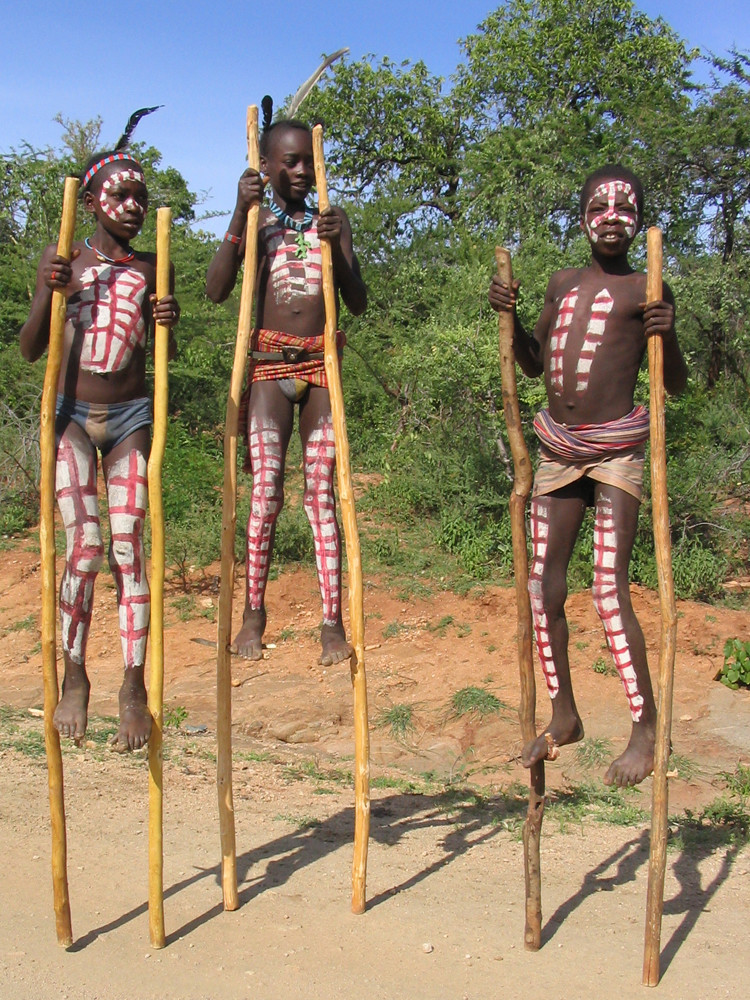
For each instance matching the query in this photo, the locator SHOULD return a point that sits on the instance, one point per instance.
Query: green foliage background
(433, 174)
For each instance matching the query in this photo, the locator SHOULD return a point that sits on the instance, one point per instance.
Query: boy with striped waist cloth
(589, 343)
(286, 365)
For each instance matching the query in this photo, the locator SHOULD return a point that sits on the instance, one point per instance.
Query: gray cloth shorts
(105, 424)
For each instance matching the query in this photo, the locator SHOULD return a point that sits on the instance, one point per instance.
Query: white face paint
(622, 209)
(116, 199)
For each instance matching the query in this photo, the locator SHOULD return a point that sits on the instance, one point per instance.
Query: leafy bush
(736, 670)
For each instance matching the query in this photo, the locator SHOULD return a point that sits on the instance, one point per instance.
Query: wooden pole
(228, 524)
(353, 555)
(522, 482)
(156, 676)
(49, 588)
(668, 644)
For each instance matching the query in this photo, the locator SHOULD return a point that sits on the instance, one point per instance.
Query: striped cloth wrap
(590, 442)
(310, 370)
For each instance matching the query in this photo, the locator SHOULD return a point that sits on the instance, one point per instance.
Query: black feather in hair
(124, 141)
(267, 106)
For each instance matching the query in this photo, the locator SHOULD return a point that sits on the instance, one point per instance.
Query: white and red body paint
(289, 277)
(267, 499)
(127, 491)
(106, 318)
(610, 190)
(75, 484)
(130, 204)
(606, 601)
(320, 507)
(127, 496)
(601, 307)
(559, 339)
(539, 536)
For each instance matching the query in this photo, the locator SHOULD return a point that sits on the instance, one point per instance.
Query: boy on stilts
(102, 405)
(589, 343)
(286, 365)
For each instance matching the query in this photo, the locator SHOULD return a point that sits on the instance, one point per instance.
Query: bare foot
(71, 715)
(638, 760)
(249, 640)
(335, 646)
(559, 733)
(135, 718)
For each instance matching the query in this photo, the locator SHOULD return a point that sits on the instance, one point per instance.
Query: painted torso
(290, 290)
(593, 345)
(106, 318)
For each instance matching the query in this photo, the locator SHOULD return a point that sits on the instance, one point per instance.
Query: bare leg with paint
(125, 471)
(269, 428)
(75, 483)
(555, 522)
(316, 432)
(614, 533)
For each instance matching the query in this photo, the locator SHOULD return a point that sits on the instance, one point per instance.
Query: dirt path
(445, 887)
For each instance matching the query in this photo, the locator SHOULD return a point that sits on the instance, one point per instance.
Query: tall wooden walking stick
(668, 644)
(49, 589)
(156, 675)
(353, 555)
(532, 828)
(228, 524)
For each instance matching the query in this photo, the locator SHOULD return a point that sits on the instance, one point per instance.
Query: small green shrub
(736, 670)
(175, 716)
(604, 667)
(399, 719)
(698, 571)
(477, 700)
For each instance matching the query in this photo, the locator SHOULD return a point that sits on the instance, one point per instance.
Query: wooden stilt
(156, 674)
(351, 536)
(668, 643)
(228, 524)
(49, 588)
(532, 828)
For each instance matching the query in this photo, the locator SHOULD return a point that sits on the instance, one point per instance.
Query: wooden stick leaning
(156, 674)
(49, 588)
(228, 525)
(668, 643)
(351, 536)
(522, 482)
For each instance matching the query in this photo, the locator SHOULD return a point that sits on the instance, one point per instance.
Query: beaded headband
(96, 167)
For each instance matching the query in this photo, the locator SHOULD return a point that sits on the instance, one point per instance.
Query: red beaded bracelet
(231, 238)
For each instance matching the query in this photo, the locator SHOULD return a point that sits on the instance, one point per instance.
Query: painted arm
(334, 226)
(658, 320)
(528, 350)
(34, 335)
(224, 268)
(166, 311)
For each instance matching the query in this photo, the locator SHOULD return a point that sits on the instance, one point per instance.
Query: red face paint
(612, 202)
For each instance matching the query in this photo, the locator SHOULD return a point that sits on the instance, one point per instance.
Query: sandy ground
(445, 883)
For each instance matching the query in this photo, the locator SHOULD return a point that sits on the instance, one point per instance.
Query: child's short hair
(269, 126)
(95, 163)
(612, 171)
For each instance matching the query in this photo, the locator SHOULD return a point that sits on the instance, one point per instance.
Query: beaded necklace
(109, 260)
(300, 228)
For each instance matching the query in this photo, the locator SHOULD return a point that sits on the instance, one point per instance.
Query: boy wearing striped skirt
(589, 343)
(286, 366)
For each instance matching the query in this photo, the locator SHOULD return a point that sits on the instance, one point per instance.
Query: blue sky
(207, 61)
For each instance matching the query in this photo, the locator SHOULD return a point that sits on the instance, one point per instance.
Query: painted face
(613, 202)
(289, 163)
(123, 195)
